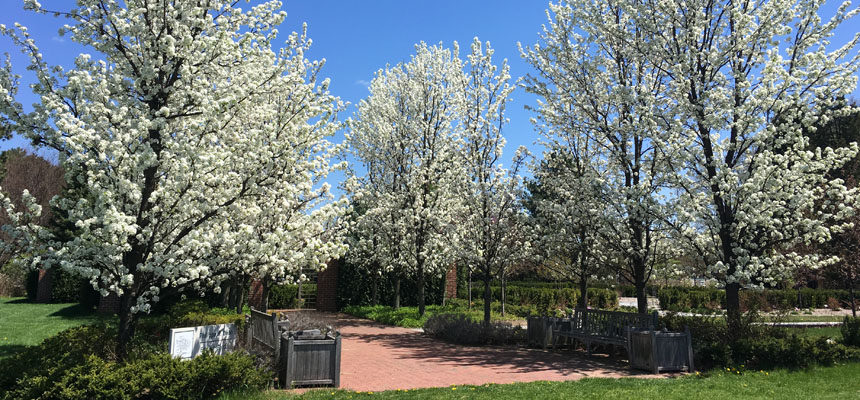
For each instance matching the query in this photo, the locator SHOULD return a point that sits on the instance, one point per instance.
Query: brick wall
(327, 287)
(109, 304)
(44, 286)
(255, 294)
(451, 283)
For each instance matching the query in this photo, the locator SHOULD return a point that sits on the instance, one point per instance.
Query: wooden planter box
(658, 351)
(310, 360)
(539, 331)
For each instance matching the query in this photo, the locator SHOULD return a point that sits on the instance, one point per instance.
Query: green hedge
(759, 347)
(286, 296)
(686, 299)
(623, 290)
(545, 300)
(78, 363)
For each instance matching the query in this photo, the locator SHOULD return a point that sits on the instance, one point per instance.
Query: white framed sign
(187, 343)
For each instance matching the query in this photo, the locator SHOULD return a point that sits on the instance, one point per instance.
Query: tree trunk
(397, 293)
(487, 299)
(851, 296)
(421, 291)
(733, 309)
(127, 325)
(444, 290)
(583, 291)
(641, 298)
(503, 295)
(375, 297)
(470, 289)
(239, 300)
(265, 297)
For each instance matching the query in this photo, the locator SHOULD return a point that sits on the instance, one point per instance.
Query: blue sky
(359, 37)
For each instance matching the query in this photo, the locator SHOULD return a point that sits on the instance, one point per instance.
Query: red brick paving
(378, 357)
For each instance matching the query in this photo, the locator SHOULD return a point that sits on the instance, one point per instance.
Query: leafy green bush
(406, 317)
(545, 300)
(850, 330)
(79, 363)
(695, 298)
(286, 296)
(464, 329)
(758, 347)
(152, 376)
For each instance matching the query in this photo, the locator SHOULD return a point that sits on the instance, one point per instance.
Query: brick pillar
(109, 304)
(451, 282)
(327, 287)
(255, 294)
(43, 287)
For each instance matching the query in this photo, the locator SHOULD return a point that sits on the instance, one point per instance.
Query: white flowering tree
(603, 104)
(200, 149)
(405, 135)
(747, 80)
(494, 228)
(569, 216)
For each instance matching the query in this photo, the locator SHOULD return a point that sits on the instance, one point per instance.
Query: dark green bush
(757, 347)
(79, 363)
(154, 376)
(355, 287)
(463, 329)
(66, 287)
(695, 298)
(286, 296)
(545, 300)
(851, 331)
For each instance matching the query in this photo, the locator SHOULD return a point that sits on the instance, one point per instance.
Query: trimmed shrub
(79, 363)
(759, 347)
(66, 287)
(463, 329)
(850, 330)
(286, 296)
(545, 300)
(694, 298)
(153, 376)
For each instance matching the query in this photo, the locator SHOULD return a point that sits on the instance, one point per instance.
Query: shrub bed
(686, 299)
(460, 328)
(758, 347)
(850, 330)
(79, 363)
(538, 299)
(286, 296)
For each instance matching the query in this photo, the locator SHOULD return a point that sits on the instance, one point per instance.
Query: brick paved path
(378, 357)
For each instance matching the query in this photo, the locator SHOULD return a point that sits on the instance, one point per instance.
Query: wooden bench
(607, 327)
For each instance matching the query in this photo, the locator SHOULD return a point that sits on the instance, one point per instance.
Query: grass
(408, 317)
(838, 382)
(830, 331)
(807, 318)
(26, 324)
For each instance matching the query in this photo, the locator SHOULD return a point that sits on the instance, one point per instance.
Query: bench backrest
(264, 334)
(610, 323)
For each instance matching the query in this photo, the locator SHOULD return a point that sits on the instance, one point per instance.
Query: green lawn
(839, 382)
(808, 318)
(26, 324)
(829, 331)
(408, 317)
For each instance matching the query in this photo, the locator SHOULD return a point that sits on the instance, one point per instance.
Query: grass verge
(837, 382)
(408, 317)
(26, 324)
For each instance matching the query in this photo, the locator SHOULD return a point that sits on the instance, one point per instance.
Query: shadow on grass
(76, 311)
(23, 300)
(7, 350)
